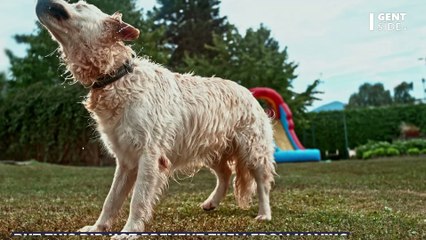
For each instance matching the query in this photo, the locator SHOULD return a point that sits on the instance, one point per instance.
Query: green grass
(371, 199)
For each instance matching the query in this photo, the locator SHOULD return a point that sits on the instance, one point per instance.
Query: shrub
(415, 143)
(379, 152)
(392, 152)
(380, 149)
(413, 151)
(367, 155)
(401, 146)
(361, 150)
(380, 145)
(47, 123)
(423, 152)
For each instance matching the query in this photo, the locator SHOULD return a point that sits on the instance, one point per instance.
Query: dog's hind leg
(263, 175)
(255, 165)
(223, 176)
(124, 179)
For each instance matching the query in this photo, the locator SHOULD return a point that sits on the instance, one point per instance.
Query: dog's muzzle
(51, 8)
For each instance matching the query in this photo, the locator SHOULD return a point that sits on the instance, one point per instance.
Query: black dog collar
(108, 79)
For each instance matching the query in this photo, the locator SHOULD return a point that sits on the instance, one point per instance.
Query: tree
(254, 60)
(3, 83)
(402, 94)
(191, 25)
(41, 63)
(370, 95)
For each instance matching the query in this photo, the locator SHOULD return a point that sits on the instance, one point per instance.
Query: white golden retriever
(155, 122)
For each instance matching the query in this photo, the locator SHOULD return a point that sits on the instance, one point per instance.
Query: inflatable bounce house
(288, 146)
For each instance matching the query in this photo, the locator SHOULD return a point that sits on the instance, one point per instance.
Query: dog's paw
(262, 217)
(92, 229)
(208, 205)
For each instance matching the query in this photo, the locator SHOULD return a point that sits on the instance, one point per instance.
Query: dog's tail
(244, 185)
(244, 181)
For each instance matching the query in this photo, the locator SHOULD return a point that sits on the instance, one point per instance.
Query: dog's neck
(88, 65)
(105, 80)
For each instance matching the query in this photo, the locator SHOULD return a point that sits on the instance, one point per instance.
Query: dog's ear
(123, 31)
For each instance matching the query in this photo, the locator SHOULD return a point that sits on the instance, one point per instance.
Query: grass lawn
(375, 199)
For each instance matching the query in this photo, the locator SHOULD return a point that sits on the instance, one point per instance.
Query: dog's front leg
(145, 192)
(124, 179)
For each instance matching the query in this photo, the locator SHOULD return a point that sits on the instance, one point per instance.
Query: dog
(156, 122)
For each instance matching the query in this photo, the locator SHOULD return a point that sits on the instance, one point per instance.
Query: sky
(339, 42)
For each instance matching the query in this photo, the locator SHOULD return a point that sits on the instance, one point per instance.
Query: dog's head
(90, 40)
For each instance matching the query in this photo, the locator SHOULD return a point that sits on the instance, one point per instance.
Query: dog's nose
(52, 8)
(42, 6)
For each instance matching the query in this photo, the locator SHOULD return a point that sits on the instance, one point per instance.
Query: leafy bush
(401, 146)
(415, 143)
(372, 146)
(392, 152)
(379, 152)
(47, 123)
(413, 151)
(361, 150)
(367, 155)
(380, 149)
(404, 146)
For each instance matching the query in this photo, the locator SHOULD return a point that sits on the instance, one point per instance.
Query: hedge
(326, 129)
(48, 124)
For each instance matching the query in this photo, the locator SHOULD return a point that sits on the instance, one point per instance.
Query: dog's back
(194, 119)
(195, 122)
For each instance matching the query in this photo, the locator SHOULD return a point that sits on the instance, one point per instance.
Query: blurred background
(352, 72)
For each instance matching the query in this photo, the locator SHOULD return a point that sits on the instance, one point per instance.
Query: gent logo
(387, 21)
